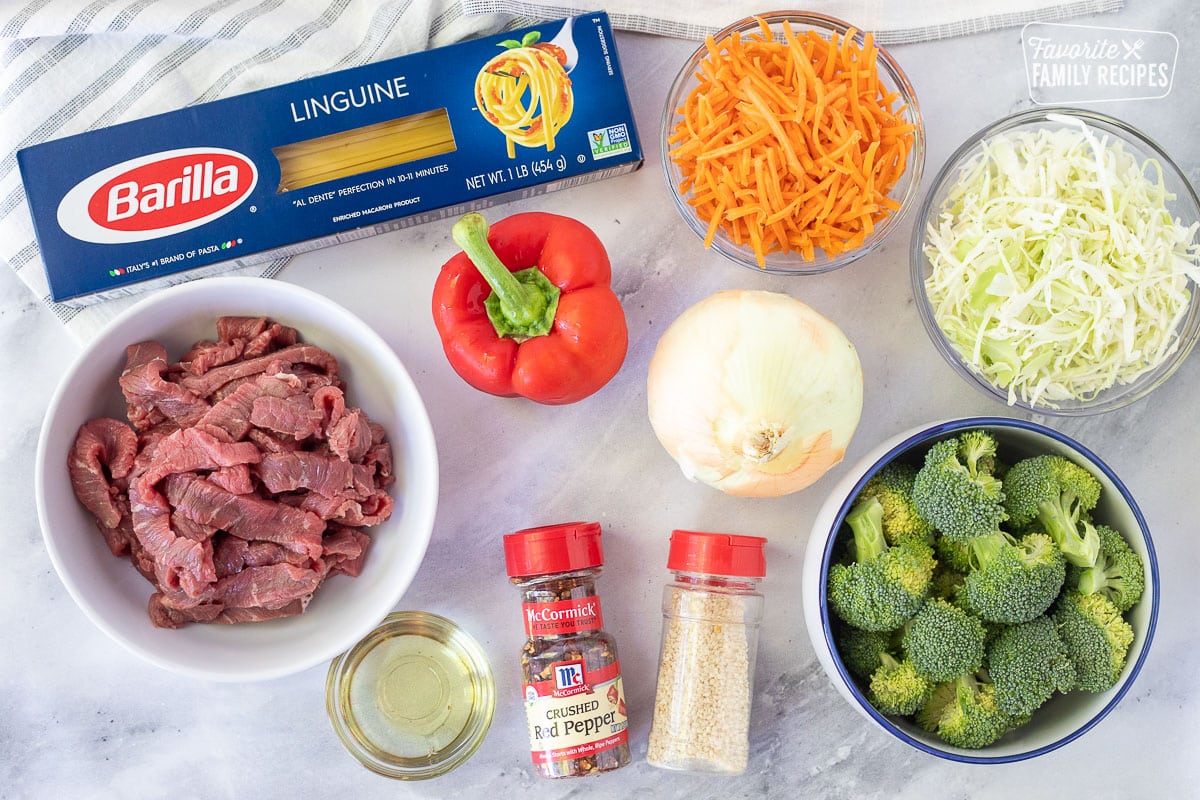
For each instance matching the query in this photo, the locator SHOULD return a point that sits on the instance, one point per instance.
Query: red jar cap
(565, 547)
(717, 554)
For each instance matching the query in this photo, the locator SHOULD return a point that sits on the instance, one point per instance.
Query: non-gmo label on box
(611, 141)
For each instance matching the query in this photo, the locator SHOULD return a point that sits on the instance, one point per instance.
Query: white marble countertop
(81, 717)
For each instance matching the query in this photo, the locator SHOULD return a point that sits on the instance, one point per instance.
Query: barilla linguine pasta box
(329, 159)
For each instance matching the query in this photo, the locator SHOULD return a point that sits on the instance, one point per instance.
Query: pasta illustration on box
(525, 92)
(330, 158)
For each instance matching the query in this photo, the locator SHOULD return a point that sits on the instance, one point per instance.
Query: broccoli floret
(955, 489)
(953, 554)
(943, 641)
(884, 585)
(1057, 493)
(896, 687)
(1118, 573)
(893, 485)
(978, 448)
(992, 630)
(929, 715)
(1013, 580)
(964, 712)
(861, 650)
(1028, 663)
(1097, 638)
(946, 584)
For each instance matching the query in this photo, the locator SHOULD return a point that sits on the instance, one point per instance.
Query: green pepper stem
(522, 304)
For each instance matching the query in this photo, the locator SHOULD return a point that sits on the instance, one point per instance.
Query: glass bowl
(1064, 717)
(1023, 372)
(892, 80)
(414, 699)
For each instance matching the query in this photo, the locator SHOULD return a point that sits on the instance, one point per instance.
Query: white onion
(754, 393)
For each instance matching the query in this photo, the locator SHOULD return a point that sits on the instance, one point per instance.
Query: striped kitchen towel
(892, 21)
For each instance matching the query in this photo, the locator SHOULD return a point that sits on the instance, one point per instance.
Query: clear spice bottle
(711, 615)
(574, 699)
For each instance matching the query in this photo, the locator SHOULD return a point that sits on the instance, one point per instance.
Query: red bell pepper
(527, 310)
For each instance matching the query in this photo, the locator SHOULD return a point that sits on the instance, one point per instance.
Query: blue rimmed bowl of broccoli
(984, 589)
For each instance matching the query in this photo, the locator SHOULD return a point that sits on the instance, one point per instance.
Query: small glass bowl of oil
(414, 698)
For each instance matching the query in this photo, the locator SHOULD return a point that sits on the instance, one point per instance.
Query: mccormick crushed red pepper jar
(574, 700)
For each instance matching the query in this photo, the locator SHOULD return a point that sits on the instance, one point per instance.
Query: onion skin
(754, 393)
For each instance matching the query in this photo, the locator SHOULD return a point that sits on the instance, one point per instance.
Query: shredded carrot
(791, 144)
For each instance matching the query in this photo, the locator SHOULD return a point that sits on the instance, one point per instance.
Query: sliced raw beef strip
(262, 554)
(273, 443)
(248, 516)
(327, 508)
(379, 457)
(232, 554)
(345, 549)
(179, 563)
(332, 402)
(229, 554)
(189, 529)
(371, 511)
(232, 412)
(276, 336)
(271, 586)
(192, 449)
(350, 437)
(325, 474)
(204, 385)
(293, 416)
(164, 616)
(147, 391)
(182, 553)
(235, 479)
(252, 594)
(149, 438)
(120, 538)
(205, 355)
(231, 616)
(232, 328)
(259, 334)
(103, 453)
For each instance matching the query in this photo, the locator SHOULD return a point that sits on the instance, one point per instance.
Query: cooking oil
(414, 698)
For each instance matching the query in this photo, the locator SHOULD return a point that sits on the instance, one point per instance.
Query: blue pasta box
(328, 159)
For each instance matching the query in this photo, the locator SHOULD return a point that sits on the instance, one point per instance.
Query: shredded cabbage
(1056, 269)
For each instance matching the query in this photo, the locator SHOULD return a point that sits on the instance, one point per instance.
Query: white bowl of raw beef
(275, 545)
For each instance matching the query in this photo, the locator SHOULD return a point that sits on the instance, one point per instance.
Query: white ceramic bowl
(111, 592)
(1063, 718)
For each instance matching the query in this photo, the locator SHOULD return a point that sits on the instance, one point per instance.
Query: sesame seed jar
(711, 614)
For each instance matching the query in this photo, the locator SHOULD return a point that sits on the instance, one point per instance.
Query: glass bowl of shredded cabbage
(1056, 261)
(792, 143)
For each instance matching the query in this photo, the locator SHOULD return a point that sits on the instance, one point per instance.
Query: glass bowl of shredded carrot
(1055, 262)
(792, 143)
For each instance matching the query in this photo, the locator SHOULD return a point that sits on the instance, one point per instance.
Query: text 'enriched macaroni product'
(329, 159)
